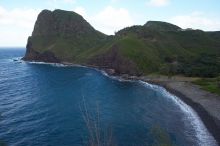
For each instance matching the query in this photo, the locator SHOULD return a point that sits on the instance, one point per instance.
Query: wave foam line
(204, 137)
(52, 64)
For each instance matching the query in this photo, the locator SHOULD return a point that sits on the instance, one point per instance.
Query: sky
(17, 17)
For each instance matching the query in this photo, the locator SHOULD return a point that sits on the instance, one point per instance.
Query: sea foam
(202, 134)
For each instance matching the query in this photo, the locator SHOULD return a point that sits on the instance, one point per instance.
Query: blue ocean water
(42, 104)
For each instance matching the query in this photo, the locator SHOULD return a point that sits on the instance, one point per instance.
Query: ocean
(52, 105)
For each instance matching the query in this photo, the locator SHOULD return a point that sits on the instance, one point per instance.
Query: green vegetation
(162, 26)
(138, 52)
(156, 47)
(174, 51)
(160, 137)
(210, 84)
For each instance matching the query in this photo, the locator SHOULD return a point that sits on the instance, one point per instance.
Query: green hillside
(156, 47)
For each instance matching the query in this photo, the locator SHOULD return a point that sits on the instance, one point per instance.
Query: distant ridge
(162, 26)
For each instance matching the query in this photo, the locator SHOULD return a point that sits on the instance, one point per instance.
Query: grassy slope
(143, 55)
(209, 84)
(66, 48)
(151, 48)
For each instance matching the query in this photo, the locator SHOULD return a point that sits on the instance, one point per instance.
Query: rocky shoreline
(205, 104)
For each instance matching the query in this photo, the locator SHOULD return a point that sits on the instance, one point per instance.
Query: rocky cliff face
(57, 31)
(113, 59)
(61, 23)
(32, 55)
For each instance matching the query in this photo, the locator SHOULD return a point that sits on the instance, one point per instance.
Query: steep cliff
(61, 36)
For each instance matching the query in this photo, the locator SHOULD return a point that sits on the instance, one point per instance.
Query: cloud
(69, 1)
(196, 20)
(16, 25)
(80, 10)
(54, 4)
(62, 1)
(111, 19)
(108, 20)
(157, 3)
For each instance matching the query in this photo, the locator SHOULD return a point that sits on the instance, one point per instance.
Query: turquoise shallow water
(42, 104)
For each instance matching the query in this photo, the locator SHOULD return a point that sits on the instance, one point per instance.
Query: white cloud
(69, 1)
(55, 4)
(157, 3)
(16, 25)
(111, 19)
(108, 20)
(62, 1)
(196, 20)
(81, 11)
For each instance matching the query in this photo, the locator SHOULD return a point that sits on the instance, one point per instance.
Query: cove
(41, 104)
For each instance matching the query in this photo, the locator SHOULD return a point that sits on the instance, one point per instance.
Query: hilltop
(154, 48)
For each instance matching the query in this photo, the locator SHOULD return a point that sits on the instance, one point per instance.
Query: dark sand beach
(207, 105)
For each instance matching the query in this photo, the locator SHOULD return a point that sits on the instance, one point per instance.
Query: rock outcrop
(57, 31)
(32, 55)
(113, 59)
